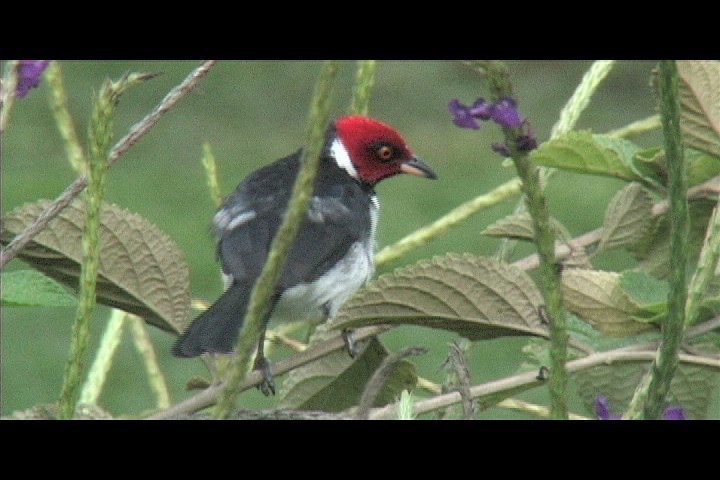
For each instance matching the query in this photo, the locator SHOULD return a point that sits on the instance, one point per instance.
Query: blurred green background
(253, 112)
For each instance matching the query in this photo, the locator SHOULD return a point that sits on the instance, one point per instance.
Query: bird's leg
(263, 364)
(348, 336)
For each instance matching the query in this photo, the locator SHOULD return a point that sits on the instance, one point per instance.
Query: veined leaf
(519, 226)
(584, 152)
(477, 297)
(699, 90)
(597, 297)
(336, 382)
(653, 251)
(142, 270)
(29, 288)
(646, 291)
(628, 218)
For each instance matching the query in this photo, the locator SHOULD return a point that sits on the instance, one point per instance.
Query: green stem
(649, 398)
(63, 119)
(580, 99)
(297, 206)
(567, 120)
(707, 263)
(99, 139)
(208, 163)
(364, 80)
(100, 136)
(145, 347)
(637, 127)
(451, 219)
(103, 359)
(7, 93)
(499, 80)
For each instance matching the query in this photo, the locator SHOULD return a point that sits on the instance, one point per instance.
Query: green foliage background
(253, 113)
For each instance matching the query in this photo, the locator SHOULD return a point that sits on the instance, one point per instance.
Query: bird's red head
(370, 150)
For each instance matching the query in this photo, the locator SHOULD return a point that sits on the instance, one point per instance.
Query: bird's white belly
(307, 300)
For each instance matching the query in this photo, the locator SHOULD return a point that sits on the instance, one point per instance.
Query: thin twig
(74, 189)
(459, 365)
(529, 379)
(245, 414)
(381, 376)
(209, 396)
(533, 409)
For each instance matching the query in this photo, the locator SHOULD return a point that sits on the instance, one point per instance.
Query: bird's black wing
(338, 216)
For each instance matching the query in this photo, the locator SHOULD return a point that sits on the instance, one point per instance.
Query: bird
(332, 254)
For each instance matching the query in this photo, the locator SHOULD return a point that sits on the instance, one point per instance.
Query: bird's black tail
(216, 330)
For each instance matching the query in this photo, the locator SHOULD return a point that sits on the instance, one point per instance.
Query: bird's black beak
(415, 166)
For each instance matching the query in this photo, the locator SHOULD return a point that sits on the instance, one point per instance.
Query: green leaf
(477, 297)
(700, 166)
(693, 387)
(699, 90)
(519, 226)
(628, 218)
(646, 291)
(583, 152)
(597, 297)
(29, 288)
(583, 332)
(142, 270)
(653, 251)
(336, 382)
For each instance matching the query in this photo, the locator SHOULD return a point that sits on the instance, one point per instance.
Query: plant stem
(498, 78)
(208, 396)
(99, 137)
(636, 128)
(63, 119)
(707, 264)
(529, 380)
(567, 120)
(208, 163)
(581, 97)
(7, 93)
(451, 219)
(264, 288)
(550, 278)
(649, 398)
(364, 80)
(103, 358)
(152, 368)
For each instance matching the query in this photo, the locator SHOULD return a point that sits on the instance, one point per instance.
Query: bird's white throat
(342, 157)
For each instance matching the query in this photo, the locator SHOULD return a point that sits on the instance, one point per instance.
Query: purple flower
(506, 114)
(674, 413)
(29, 75)
(602, 410)
(461, 115)
(482, 109)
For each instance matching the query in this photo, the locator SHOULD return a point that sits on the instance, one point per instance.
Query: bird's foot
(351, 346)
(268, 384)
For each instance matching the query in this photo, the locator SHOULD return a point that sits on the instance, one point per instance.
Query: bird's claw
(351, 346)
(267, 386)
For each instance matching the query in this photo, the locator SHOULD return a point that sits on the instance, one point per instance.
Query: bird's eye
(385, 152)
